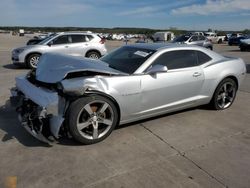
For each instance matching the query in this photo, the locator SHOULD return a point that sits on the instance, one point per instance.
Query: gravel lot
(192, 148)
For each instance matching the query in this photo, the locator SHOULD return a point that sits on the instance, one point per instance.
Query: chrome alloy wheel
(93, 56)
(34, 60)
(95, 119)
(226, 95)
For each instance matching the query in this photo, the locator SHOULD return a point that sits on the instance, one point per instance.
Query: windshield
(127, 59)
(182, 38)
(44, 41)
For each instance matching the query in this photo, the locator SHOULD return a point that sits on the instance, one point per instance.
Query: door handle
(66, 46)
(196, 74)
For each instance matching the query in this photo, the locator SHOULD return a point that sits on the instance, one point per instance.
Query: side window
(203, 58)
(177, 59)
(64, 39)
(202, 38)
(194, 38)
(89, 37)
(78, 38)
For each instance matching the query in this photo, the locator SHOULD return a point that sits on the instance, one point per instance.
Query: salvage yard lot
(193, 148)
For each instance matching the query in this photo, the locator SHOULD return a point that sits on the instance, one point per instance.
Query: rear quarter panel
(217, 71)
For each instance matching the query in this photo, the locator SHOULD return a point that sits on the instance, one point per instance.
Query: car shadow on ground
(140, 122)
(13, 130)
(234, 50)
(15, 67)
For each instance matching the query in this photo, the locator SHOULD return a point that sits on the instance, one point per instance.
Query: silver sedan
(89, 98)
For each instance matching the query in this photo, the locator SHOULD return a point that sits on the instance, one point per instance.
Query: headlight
(19, 50)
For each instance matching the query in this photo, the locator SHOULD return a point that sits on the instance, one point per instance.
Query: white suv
(72, 43)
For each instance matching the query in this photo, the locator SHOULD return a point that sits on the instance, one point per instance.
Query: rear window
(89, 37)
(202, 57)
(78, 38)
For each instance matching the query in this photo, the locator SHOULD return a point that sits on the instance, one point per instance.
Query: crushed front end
(40, 109)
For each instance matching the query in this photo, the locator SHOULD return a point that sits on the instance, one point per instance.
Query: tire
(224, 94)
(93, 55)
(242, 49)
(32, 60)
(92, 119)
(220, 41)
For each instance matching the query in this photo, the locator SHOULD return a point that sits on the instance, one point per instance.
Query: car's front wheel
(219, 41)
(32, 60)
(91, 119)
(224, 94)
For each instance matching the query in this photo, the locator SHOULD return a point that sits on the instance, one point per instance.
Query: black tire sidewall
(75, 109)
(214, 102)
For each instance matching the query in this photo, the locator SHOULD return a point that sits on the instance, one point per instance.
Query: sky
(155, 14)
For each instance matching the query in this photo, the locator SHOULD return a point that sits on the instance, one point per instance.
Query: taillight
(103, 40)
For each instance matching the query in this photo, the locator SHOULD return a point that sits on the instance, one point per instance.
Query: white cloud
(142, 10)
(148, 10)
(214, 7)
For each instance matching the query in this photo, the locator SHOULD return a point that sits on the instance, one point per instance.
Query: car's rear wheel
(33, 60)
(224, 94)
(92, 119)
(93, 55)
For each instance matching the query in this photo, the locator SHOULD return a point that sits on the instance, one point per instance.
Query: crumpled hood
(53, 68)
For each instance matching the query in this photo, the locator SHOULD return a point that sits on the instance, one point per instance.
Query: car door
(195, 40)
(79, 44)
(60, 44)
(179, 87)
(201, 40)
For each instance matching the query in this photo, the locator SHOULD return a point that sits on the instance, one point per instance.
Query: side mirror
(50, 43)
(156, 69)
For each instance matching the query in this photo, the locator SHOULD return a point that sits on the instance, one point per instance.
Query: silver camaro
(88, 98)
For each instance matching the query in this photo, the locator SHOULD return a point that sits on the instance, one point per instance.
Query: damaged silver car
(88, 98)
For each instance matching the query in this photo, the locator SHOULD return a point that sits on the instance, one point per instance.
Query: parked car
(195, 40)
(228, 35)
(196, 33)
(236, 34)
(163, 36)
(213, 37)
(34, 41)
(39, 38)
(244, 44)
(71, 43)
(235, 40)
(88, 98)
